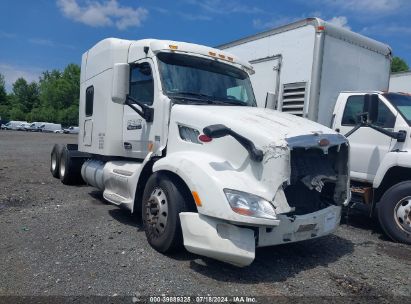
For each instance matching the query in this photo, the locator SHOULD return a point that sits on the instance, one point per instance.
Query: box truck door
(137, 133)
(266, 78)
(368, 147)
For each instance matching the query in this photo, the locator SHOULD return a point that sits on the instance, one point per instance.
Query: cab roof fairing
(158, 46)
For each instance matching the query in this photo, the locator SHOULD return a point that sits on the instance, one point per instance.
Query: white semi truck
(333, 76)
(171, 130)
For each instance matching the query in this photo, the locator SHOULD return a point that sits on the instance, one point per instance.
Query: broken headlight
(248, 204)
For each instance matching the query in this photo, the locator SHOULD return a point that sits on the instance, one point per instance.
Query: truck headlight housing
(248, 204)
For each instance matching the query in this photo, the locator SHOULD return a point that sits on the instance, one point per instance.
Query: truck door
(137, 133)
(266, 78)
(367, 146)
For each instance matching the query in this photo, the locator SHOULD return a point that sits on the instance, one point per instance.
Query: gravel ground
(65, 240)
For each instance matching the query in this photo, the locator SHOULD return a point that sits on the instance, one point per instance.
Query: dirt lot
(62, 240)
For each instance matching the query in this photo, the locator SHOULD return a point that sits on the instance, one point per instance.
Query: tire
(394, 212)
(55, 160)
(70, 167)
(160, 187)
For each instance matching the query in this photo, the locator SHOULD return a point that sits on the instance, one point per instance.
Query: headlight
(248, 204)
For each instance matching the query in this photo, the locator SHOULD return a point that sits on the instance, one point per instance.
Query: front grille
(314, 176)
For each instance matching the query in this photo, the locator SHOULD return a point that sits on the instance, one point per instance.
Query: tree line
(54, 98)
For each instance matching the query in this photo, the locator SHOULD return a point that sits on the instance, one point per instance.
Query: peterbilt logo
(134, 124)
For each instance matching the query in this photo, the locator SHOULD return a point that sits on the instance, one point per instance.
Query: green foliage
(398, 65)
(3, 94)
(54, 98)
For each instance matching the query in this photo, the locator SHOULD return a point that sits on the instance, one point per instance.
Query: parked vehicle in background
(3, 124)
(400, 82)
(333, 76)
(34, 126)
(13, 125)
(59, 131)
(23, 126)
(49, 127)
(176, 136)
(71, 130)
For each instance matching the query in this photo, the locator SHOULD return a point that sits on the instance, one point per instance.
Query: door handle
(127, 146)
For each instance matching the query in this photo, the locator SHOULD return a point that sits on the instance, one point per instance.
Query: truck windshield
(402, 102)
(198, 80)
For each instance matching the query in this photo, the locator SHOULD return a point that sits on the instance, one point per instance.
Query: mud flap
(217, 239)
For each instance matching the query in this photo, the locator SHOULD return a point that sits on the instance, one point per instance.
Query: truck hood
(261, 125)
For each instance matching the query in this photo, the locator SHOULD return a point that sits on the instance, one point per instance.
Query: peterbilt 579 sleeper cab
(171, 130)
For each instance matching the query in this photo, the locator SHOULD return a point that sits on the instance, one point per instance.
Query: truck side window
(355, 106)
(89, 100)
(142, 83)
(385, 118)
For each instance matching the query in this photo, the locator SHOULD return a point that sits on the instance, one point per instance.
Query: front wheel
(163, 200)
(394, 212)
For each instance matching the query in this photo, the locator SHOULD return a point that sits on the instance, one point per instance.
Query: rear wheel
(394, 212)
(55, 160)
(70, 167)
(163, 200)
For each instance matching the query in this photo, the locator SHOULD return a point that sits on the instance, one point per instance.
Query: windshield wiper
(204, 97)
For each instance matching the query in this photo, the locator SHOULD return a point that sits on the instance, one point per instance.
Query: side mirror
(371, 107)
(271, 101)
(216, 131)
(121, 78)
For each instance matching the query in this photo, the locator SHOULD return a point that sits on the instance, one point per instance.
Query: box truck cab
(377, 125)
(171, 130)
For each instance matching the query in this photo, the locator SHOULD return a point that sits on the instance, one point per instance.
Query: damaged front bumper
(223, 241)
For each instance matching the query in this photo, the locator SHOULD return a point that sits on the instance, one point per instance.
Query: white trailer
(301, 68)
(171, 130)
(338, 78)
(400, 82)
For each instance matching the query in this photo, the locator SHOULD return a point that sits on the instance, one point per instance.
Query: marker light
(197, 199)
(323, 142)
(204, 138)
(320, 28)
(212, 54)
(230, 58)
(221, 56)
(173, 47)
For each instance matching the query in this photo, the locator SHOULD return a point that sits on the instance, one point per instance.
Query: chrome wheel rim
(402, 214)
(62, 167)
(53, 161)
(157, 211)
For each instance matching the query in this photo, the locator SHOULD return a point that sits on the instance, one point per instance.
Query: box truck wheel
(394, 212)
(55, 160)
(162, 203)
(70, 167)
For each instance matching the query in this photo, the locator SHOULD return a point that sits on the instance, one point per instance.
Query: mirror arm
(255, 154)
(400, 136)
(146, 112)
(354, 129)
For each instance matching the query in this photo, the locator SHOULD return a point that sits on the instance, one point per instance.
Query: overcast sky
(47, 34)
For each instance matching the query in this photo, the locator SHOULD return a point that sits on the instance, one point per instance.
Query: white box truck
(171, 130)
(333, 76)
(401, 82)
